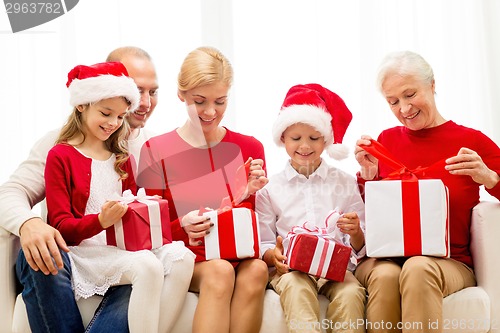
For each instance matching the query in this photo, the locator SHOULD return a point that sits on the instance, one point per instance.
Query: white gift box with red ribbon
(145, 225)
(316, 251)
(234, 236)
(406, 218)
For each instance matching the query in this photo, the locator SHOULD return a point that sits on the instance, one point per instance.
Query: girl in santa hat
(312, 120)
(88, 165)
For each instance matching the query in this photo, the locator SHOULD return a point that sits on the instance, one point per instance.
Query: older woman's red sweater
(424, 148)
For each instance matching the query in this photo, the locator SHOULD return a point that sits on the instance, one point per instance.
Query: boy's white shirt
(290, 199)
(26, 186)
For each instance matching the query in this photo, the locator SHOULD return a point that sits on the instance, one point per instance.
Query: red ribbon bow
(400, 170)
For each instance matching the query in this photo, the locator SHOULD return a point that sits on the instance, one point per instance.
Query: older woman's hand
(196, 227)
(469, 163)
(368, 163)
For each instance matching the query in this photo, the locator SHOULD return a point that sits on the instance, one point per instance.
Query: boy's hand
(349, 224)
(111, 213)
(279, 258)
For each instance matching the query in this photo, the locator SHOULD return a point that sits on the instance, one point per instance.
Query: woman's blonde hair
(116, 143)
(202, 66)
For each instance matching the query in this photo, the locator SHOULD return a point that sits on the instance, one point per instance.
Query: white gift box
(406, 218)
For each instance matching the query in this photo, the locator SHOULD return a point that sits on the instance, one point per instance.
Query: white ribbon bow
(153, 212)
(127, 196)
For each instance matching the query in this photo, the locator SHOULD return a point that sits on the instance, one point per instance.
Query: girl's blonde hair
(116, 143)
(202, 66)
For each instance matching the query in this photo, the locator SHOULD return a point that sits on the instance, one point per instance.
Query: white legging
(174, 291)
(149, 309)
(146, 277)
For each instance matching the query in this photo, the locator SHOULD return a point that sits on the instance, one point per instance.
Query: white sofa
(471, 310)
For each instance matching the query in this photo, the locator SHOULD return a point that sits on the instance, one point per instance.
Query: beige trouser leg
(346, 311)
(381, 279)
(299, 300)
(424, 281)
(409, 299)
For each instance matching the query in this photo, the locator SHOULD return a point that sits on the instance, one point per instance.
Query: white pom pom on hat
(90, 84)
(314, 105)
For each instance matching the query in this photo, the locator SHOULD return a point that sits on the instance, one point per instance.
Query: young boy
(313, 119)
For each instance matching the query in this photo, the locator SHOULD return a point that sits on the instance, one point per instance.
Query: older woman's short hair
(404, 63)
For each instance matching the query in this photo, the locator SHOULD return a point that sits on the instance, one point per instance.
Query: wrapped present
(405, 215)
(234, 236)
(314, 251)
(145, 225)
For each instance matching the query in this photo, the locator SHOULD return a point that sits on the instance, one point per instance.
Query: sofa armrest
(9, 249)
(485, 248)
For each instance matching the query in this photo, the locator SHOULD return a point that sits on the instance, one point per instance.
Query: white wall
(273, 44)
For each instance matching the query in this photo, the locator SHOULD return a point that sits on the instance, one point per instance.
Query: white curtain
(273, 44)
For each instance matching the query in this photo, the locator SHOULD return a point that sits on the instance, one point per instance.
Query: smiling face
(412, 101)
(206, 106)
(103, 118)
(143, 72)
(304, 144)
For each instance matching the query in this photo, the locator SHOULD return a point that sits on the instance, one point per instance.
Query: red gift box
(145, 225)
(318, 251)
(234, 236)
(317, 255)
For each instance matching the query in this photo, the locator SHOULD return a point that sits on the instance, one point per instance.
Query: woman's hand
(467, 162)
(257, 176)
(196, 227)
(368, 163)
(111, 213)
(256, 179)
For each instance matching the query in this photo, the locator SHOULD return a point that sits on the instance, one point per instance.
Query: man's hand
(40, 243)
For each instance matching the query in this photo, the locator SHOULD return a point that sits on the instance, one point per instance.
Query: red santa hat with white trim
(90, 84)
(320, 108)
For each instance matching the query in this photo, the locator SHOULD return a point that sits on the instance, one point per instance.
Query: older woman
(193, 167)
(408, 292)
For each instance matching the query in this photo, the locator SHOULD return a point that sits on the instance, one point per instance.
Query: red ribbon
(412, 234)
(225, 208)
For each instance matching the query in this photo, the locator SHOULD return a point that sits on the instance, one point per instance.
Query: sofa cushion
(466, 311)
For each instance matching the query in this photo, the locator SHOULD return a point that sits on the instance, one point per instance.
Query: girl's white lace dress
(96, 266)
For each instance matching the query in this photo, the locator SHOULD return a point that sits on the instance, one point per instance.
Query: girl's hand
(368, 163)
(196, 227)
(469, 163)
(111, 213)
